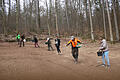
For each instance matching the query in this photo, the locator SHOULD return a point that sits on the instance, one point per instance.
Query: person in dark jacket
(57, 44)
(48, 41)
(36, 41)
(22, 41)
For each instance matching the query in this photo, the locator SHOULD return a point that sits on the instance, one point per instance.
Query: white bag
(24, 40)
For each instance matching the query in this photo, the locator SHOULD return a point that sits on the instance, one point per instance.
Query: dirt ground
(29, 63)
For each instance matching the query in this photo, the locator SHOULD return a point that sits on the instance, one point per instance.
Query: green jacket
(18, 36)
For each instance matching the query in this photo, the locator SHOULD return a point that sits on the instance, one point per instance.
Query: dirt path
(29, 63)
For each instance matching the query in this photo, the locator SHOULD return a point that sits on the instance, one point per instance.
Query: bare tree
(71, 17)
(67, 18)
(9, 13)
(109, 20)
(56, 15)
(48, 19)
(39, 20)
(31, 13)
(4, 17)
(50, 13)
(90, 13)
(115, 19)
(25, 16)
(104, 19)
(36, 11)
(17, 15)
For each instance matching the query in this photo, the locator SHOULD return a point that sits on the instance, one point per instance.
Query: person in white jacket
(48, 41)
(104, 48)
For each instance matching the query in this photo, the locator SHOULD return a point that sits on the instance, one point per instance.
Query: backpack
(78, 45)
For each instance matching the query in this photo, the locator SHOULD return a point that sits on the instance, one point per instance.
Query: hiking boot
(108, 66)
(103, 65)
(76, 61)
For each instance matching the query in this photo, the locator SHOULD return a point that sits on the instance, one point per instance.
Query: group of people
(74, 44)
(57, 44)
(103, 48)
(20, 40)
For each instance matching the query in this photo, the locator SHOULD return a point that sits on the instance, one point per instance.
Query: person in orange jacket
(74, 43)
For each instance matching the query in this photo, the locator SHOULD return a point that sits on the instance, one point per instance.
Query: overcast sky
(42, 3)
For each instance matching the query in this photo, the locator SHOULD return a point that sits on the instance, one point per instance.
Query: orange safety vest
(74, 43)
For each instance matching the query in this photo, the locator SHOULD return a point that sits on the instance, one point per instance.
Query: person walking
(22, 41)
(48, 42)
(74, 43)
(105, 49)
(36, 42)
(57, 44)
(18, 38)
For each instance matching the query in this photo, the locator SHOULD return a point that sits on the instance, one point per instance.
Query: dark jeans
(22, 42)
(18, 40)
(50, 47)
(36, 44)
(75, 53)
(58, 48)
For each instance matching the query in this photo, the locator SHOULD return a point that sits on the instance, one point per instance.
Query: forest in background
(84, 18)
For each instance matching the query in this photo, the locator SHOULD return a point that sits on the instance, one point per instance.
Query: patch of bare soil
(29, 63)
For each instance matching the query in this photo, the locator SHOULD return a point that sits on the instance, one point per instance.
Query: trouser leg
(103, 56)
(51, 47)
(18, 40)
(23, 43)
(48, 47)
(38, 44)
(107, 58)
(75, 53)
(58, 50)
(20, 43)
(35, 44)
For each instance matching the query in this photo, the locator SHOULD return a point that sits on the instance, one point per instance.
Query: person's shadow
(100, 65)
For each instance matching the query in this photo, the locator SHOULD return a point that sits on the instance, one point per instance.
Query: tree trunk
(25, 17)
(31, 9)
(109, 20)
(9, 13)
(50, 13)
(39, 20)
(87, 16)
(48, 25)
(104, 19)
(91, 24)
(17, 16)
(56, 15)
(116, 24)
(67, 18)
(4, 17)
(36, 11)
